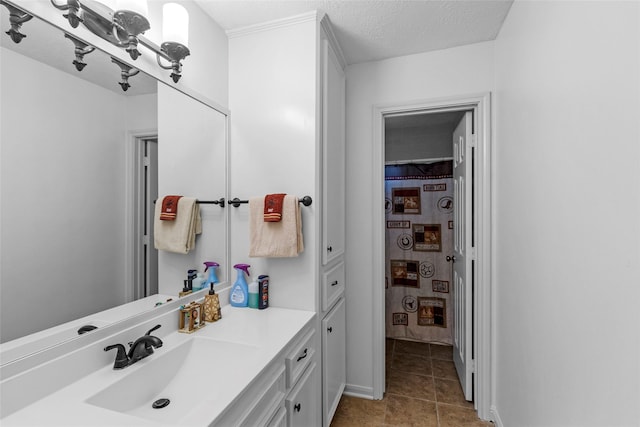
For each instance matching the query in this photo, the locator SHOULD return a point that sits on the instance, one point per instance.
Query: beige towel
(180, 235)
(275, 239)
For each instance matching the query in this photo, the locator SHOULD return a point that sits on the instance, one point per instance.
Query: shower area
(419, 226)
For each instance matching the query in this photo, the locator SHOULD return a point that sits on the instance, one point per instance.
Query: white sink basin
(186, 375)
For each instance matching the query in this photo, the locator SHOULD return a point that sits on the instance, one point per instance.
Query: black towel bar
(220, 202)
(306, 200)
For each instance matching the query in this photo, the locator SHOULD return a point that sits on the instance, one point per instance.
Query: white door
(463, 253)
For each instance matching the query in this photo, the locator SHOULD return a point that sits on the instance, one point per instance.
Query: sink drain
(160, 403)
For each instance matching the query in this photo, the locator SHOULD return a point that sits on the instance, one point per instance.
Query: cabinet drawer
(299, 358)
(302, 401)
(332, 286)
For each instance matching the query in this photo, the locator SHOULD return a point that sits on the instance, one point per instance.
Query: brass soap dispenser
(212, 311)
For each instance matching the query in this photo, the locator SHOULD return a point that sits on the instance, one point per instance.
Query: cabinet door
(302, 402)
(333, 360)
(333, 165)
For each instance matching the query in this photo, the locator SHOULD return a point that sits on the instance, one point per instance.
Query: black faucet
(139, 349)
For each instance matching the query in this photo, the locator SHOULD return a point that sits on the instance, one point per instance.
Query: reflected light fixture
(16, 18)
(81, 50)
(72, 7)
(126, 71)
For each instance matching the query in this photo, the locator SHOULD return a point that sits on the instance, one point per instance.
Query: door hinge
(146, 240)
(146, 161)
(473, 366)
(473, 141)
(472, 254)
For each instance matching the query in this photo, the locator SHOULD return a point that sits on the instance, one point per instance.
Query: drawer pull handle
(297, 407)
(334, 283)
(303, 355)
(330, 329)
(330, 248)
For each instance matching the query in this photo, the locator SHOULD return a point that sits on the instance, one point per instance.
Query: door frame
(484, 316)
(131, 260)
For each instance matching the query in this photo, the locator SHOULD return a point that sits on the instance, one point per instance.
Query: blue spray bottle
(239, 296)
(213, 278)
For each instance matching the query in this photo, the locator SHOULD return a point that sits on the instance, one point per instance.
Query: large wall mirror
(82, 162)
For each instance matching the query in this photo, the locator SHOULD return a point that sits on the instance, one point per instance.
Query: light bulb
(175, 24)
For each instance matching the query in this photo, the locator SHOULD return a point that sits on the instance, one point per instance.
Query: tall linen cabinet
(287, 135)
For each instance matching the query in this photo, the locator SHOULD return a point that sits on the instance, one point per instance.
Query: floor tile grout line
(435, 390)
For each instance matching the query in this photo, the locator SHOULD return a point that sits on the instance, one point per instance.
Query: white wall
(272, 88)
(568, 205)
(63, 185)
(398, 81)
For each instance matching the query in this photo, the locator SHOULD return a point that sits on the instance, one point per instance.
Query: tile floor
(422, 390)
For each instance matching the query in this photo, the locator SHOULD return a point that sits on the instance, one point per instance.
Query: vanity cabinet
(332, 305)
(285, 394)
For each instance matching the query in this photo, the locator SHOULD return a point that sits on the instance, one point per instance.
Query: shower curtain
(419, 237)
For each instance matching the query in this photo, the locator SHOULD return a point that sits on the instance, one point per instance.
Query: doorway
(426, 274)
(478, 353)
(419, 229)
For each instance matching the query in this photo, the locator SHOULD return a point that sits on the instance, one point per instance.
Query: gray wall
(424, 142)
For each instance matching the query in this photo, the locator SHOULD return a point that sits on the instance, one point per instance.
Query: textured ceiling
(370, 30)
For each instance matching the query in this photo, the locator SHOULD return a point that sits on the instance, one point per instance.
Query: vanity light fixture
(16, 18)
(126, 71)
(81, 50)
(130, 17)
(123, 23)
(175, 29)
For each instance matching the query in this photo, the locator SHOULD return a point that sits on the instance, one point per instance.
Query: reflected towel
(180, 235)
(169, 210)
(275, 239)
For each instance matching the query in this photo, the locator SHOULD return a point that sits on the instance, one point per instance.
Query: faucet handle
(147, 345)
(122, 360)
(153, 329)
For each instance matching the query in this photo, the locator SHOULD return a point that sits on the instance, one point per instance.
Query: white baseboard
(496, 417)
(359, 391)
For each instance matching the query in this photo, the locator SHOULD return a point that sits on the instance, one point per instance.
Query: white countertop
(267, 331)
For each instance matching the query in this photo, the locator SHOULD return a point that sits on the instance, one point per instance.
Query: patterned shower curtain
(419, 237)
